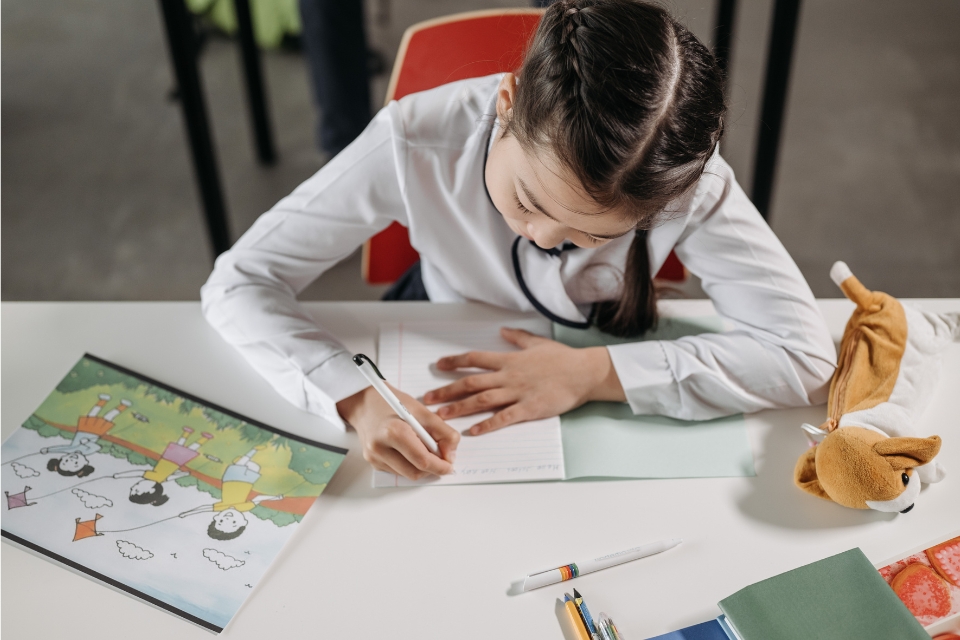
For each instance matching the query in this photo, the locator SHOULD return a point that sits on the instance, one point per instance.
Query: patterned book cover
(928, 582)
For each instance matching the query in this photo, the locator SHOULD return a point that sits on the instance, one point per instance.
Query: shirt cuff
(337, 378)
(646, 377)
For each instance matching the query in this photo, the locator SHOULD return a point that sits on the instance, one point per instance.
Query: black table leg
(723, 33)
(183, 51)
(779, 56)
(250, 55)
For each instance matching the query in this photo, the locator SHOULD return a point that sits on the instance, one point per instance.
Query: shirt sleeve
(251, 296)
(779, 353)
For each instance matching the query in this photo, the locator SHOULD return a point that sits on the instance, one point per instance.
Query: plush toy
(867, 454)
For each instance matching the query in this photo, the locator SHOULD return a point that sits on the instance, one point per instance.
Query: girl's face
(142, 487)
(229, 520)
(538, 199)
(73, 462)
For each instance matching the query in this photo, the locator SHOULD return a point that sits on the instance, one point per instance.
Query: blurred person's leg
(335, 42)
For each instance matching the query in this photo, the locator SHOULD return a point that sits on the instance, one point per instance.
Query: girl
(149, 489)
(560, 189)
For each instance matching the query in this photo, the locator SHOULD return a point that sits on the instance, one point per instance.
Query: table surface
(439, 561)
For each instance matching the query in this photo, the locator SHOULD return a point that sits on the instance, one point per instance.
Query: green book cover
(838, 598)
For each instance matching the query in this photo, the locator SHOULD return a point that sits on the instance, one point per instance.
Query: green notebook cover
(838, 598)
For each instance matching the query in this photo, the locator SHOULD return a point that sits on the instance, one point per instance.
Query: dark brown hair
(631, 103)
(53, 464)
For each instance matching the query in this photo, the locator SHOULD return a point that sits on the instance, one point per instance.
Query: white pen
(371, 373)
(574, 569)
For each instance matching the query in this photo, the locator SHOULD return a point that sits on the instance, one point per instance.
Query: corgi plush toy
(868, 454)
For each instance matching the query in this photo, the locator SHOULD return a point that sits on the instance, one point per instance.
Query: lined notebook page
(519, 453)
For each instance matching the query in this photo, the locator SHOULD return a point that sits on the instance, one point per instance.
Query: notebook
(525, 452)
(152, 491)
(711, 630)
(842, 597)
(597, 440)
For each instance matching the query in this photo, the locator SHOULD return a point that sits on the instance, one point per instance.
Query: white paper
(523, 452)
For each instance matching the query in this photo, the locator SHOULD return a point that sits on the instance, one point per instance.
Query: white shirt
(420, 162)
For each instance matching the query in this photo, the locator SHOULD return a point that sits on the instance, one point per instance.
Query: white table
(438, 562)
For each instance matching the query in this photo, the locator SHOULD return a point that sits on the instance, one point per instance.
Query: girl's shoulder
(446, 116)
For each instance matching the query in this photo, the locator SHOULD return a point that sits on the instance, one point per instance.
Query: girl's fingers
(403, 439)
(477, 359)
(396, 463)
(505, 417)
(521, 338)
(446, 436)
(483, 401)
(463, 387)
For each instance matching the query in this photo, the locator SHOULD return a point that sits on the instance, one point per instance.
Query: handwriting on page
(524, 452)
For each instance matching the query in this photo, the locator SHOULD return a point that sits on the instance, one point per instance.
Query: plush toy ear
(805, 474)
(904, 453)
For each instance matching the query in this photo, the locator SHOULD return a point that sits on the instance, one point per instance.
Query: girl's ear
(53, 464)
(505, 96)
(87, 470)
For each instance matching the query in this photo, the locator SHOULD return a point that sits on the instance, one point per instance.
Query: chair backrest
(432, 53)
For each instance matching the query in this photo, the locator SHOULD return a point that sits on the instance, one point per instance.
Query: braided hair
(631, 104)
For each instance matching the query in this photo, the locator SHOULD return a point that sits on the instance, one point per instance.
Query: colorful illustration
(928, 582)
(237, 496)
(85, 441)
(150, 489)
(114, 492)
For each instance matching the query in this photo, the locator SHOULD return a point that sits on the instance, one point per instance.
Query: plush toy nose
(907, 509)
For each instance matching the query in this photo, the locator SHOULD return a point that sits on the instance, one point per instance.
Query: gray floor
(98, 199)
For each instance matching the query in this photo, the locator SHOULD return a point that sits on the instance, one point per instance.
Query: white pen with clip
(576, 569)
(371, 373)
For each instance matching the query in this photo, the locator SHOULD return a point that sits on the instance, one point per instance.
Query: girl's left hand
(544, 379)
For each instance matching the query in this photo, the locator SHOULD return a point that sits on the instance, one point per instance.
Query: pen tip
(576, 594)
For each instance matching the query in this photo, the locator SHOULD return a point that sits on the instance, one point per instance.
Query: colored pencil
(575, 620)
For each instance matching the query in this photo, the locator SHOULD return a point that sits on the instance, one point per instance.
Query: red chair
(435, 52)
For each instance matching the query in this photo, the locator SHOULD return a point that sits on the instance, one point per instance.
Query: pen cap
(361, 358)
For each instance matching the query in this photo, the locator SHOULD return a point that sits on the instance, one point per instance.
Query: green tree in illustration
(88, 373)
(314, 464)
(279, 518)
(252, 434)
(40, 425)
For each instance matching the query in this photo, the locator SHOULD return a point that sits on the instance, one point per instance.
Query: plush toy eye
(905, 478)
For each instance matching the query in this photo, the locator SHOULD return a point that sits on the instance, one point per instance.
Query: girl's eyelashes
(523, 209)
(516, 199)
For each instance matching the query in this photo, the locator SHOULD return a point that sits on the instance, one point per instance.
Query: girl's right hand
(390, 444)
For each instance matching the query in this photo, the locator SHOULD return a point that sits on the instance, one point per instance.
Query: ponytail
(635, 312)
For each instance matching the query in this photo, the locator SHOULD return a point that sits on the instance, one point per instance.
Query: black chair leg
(253, 75)
(183, 52)
(779, 56)
(723, 34)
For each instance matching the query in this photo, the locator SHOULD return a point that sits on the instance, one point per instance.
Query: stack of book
(844, 597)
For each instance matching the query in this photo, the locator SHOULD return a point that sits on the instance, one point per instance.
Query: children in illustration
(90, 427)
(237, 484)
(149, 490)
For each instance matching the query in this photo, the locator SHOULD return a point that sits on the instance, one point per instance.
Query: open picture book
(157, 493)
